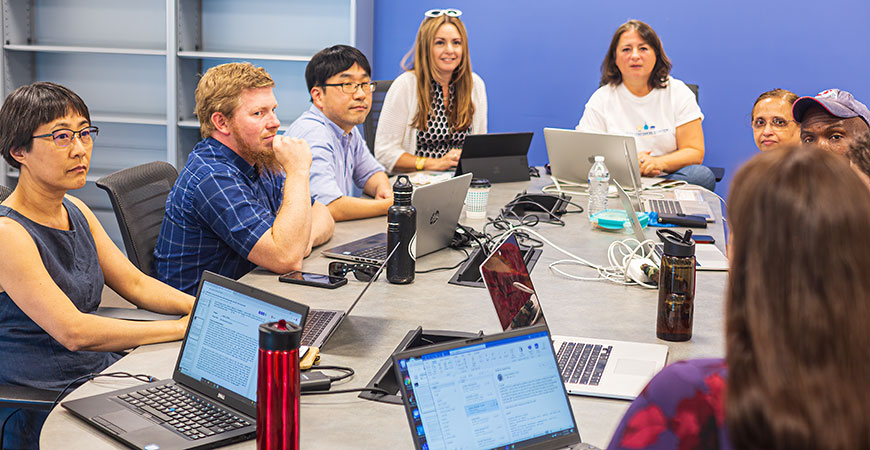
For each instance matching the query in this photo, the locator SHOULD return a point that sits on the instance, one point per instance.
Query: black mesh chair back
(370, 126)
(138, 196)
(4, 192)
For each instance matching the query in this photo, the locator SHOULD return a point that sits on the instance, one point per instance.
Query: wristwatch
(421, 161)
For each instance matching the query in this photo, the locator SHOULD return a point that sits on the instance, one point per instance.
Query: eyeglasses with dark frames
(350, 88)
(64, 136)
(362, 272)
(452, 12)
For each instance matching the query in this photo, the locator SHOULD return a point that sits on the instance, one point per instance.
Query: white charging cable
(619, 255)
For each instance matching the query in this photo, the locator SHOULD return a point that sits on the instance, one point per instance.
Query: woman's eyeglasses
(776, 122)
(362, 272)
(443, 12)
(64, 137)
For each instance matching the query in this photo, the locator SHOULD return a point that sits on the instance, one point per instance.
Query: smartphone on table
(313, 279)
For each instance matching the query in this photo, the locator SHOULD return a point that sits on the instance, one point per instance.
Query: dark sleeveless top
(439, 137)
(29, 355)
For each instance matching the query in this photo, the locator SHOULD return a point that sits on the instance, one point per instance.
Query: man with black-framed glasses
(342, 167)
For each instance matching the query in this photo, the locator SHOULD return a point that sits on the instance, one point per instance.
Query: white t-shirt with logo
(652, 119)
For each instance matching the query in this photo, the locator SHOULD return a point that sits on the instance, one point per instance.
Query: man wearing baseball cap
(831, 120)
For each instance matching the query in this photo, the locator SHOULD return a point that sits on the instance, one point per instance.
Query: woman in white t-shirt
(431, 107)
(638, 97)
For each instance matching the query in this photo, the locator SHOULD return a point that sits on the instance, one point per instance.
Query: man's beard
(264, 161)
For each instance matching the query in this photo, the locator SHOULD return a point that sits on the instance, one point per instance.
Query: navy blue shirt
(218, 209)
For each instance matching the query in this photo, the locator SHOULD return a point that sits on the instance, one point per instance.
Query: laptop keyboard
(582, 363)
(180, 411)
(374, 253)
(315, 324)
(666, 206)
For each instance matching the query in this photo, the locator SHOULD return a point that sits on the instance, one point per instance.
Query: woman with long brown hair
(797, 308)
(431, 107)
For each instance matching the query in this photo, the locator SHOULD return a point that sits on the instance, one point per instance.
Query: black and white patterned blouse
(438, 138)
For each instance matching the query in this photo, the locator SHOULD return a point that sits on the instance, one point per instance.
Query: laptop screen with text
(502, 392)
(221, 346)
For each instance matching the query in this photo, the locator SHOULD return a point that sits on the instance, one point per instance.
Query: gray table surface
(387, 312)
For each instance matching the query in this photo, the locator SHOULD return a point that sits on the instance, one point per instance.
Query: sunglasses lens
(433, 13)
(337, 269)
(364, 272)
(453, 12)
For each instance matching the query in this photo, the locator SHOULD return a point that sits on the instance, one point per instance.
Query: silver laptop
(572, 154)
(679, 201)
(707, 256)
(502, 391)
(438, 208)
(211, 399)
(589, 366)
(322, 323)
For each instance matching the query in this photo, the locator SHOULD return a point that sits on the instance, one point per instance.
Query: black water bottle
(402, 232)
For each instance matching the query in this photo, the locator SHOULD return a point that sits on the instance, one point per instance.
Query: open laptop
(572, 154)
(438, 208)
(500, 391)
(707, 256)
(211, 398)
(322, 323)
(499, 157)
(594, 367)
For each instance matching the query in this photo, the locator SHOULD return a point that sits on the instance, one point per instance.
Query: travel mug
(278, 386)
(476, 199)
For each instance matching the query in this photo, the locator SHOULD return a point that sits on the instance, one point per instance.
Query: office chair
(4, 192)
(370, 126)
(718, 172)
(138, 196)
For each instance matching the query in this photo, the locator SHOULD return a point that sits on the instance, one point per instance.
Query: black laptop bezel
(565, 441)
(221, 395)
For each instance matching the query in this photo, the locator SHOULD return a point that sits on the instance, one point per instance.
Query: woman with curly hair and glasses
(438, 101)
(797, 345)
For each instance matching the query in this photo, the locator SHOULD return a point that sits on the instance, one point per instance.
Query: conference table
(386, 313)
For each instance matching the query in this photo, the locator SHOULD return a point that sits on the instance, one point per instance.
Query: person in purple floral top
(797, 308)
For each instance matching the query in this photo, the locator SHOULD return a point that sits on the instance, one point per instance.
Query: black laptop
(502, 391)
(499, 157)
(211, 399)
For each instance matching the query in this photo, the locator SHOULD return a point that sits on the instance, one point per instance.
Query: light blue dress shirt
(341, 163)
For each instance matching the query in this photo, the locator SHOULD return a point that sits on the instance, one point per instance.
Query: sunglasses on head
(443, 12)
(362, 272)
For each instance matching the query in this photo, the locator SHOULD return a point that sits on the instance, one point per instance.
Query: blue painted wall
(540, 59)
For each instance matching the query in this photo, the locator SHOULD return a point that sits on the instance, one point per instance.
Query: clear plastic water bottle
(599, 183)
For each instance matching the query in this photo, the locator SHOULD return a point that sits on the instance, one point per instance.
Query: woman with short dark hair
(797, 356)
(431, 107)
(55, 258)
(639, 97)
(773, 125)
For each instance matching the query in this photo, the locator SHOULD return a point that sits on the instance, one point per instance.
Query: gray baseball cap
(835, 101)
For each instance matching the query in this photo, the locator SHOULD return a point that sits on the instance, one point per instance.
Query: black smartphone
(313, 279)
(703, 239)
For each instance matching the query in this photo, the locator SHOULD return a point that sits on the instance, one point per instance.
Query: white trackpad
(635, 367)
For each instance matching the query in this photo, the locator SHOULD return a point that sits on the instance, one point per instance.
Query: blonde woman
(438, 101)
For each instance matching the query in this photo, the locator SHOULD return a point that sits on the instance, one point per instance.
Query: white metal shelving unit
(136, 64)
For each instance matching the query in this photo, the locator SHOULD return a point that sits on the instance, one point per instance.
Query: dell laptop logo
(434, 217)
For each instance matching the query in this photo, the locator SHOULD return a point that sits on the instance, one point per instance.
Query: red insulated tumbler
(278, 386)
